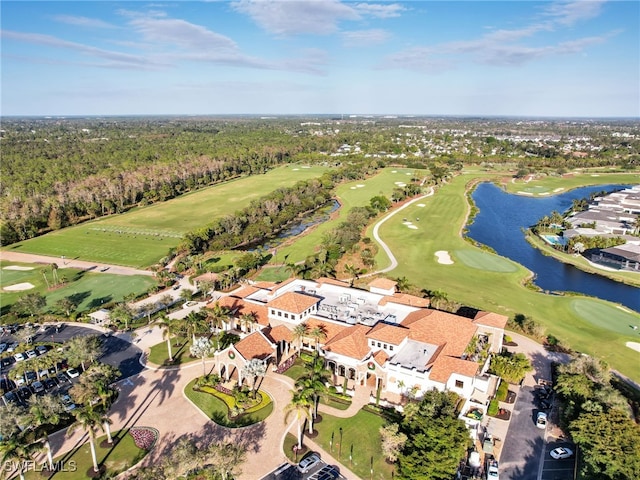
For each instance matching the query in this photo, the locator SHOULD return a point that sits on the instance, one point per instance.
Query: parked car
(12, 346)
(50, 383)
(541, 420)
(492, 470)
(63, 377)
(67, 402)
(6, 385)
(30, 376)
(308, 463)
(561, 453)
(41, 349)
(329, 472)
(73, 373)
(37, 387)
(5, 362)
(19, 357)
(3, 347)
(10, 397)
(24, 393)
(32, 354)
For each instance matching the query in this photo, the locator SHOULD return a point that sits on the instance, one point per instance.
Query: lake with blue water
(500, 224)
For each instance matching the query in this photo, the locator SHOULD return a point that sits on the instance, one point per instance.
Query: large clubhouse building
(382, 340)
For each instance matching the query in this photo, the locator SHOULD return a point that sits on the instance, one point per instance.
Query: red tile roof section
(331, 281)
(255, 345)
(351, 342)
(491, 319)
(245, 291)
(441, 328)
(330, 328)
(445, 366)
(239, 307)
(380, 357)
(279, 333)
(384, 332)
(383, 283)
(293, 302)
(405, 299)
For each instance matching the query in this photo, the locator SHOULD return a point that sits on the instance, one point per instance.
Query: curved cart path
(71, 263)
(385, 247)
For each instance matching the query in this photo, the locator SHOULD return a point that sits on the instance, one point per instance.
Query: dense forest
(61, 171)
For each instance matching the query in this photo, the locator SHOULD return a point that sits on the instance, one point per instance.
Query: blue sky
(524, 58)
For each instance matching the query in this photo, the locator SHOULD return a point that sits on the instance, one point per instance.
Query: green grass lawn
(360, 437)
(143, 235)
(159, 354)
(89, 290)
(441, 220)
(475, 258)
(117, 458)
(555, 185)
(217, 410)
(350, 195)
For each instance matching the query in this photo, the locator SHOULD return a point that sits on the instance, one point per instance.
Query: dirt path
(71, 263)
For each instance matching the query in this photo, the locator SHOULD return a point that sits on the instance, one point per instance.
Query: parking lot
(561, 469)
(315, 470)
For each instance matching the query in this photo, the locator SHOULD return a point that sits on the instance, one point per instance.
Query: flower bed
(144, 437)
(287, 364)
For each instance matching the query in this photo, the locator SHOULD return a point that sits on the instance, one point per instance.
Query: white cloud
(364, 38)
(180, 33)
(380, 10)
(568, 13)
(318, 17)
(82, 21)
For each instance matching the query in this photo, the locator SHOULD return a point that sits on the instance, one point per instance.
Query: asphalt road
(117, 352)
(520, 457)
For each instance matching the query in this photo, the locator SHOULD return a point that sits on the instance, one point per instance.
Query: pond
(500, 224)
(316, 217)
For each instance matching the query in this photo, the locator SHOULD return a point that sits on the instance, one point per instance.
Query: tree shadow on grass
(99, 301)
(79, 297)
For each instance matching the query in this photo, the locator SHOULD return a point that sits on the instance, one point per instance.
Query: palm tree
(318, 333)
(247, 320)
(122, 313)
(299, 332)
(353, 271)
(54, 274)
(43, 411)
(170, 327)
(402, 284)
(16, 450)
(83, 349)
(299, 406)
(195, 323)
(147, 309)
(218, 316)
(89, 420)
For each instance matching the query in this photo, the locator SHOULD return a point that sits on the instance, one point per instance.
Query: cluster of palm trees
(24, 429)
(309, 388)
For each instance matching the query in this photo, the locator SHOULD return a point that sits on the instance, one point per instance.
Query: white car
(492, 470)
(19, 357)
(308, 463)
(541, 420)
(32, 354)
(561, 453)
(73, 373)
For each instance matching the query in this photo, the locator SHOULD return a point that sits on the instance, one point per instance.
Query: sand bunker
(360, 185)
(444, 257)
(394, 171)
(296, 169)
(352, 188)
(306, 166)
(525, 193)
(17, 267)
(406, 223)
(412, 227)
(18, 287)
(420, 205)
(634, 346)
(559, 189)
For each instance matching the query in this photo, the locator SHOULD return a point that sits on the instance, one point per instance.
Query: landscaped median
(129, 447)
(228, 408)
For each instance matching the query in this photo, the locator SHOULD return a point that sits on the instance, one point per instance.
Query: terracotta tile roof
(445, 366)
(279, 333)
(282, 284)
(293, 302)
(330, 328)
(232, 303)
(405, 299)
(254, 345)
(245, 291)
(239, 307)
(491, 319)
(351, 342)
(265, 285)
(387, 333)
(209, 276)
(380, 357)
(441, 328)
(383, 283)
(331, 281)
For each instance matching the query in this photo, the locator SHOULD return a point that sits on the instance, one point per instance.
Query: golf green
(484, 261)
(605, 316)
